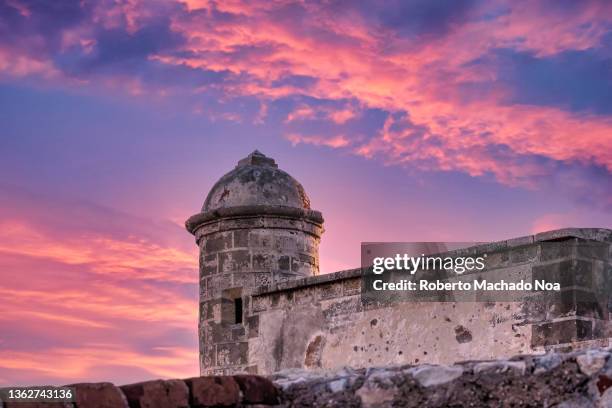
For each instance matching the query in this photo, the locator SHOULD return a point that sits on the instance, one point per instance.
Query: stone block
(259, 303)
(260, 278)
(304, 296)
(312, 229)
(524, 254)
(593, 250)
(207, 229)
(242, 223)
(490, 248)
(329, 290)
(241, 239)
(260, 239)
(499, 259)
(520, 241)
(429, 375)
(203, 288)
(550, 251)
(213, 392)
(303, 268)
(263, 261)
(218, 242)
(311, 245)
(497, 367)
(213, 309)
(286, 299)
(221, 332)
(351, 287)
(217, 283)
(275, 300)
(253, 326)
(208, 264)
(98, 395)
(559, 332)
(284, 263)
(563, 234)
(285, 244)
(238, 333)
(257, 390)
(207, 331)
(157, 394)
(208, 355)
(281, 277)
(570, 272)
(306, 258)
(283, 223)
(592, 361)
(204, 311)
(234, 261)
(228, 310)
(344, 306)
(232, 354)
(572, 302)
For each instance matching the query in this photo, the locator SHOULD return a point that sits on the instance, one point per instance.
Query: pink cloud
(92, 295)
(337, 141)
(552, 221)
(352, 58)
(421, 78)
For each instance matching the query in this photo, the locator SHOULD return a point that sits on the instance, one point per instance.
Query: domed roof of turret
(256, 181)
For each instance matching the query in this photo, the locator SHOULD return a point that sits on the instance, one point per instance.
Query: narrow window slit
(238, 310)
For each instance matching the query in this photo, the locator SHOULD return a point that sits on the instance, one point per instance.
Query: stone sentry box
(255, 228)
(263, 309)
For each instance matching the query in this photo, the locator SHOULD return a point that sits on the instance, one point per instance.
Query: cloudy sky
(418, 120)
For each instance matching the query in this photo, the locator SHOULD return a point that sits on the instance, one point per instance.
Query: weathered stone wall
(321, 322)
(571, 380)
(236, 254)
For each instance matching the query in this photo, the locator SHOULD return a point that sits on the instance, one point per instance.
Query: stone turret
(255, 228)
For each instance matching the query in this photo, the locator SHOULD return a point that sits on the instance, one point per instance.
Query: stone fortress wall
(323, 322)
(264, 307)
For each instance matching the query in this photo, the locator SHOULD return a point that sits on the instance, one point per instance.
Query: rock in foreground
(578, 379)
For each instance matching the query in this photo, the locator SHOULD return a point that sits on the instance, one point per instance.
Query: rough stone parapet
(308, 281)
(580, 379)
(562, 380)
(593, 234)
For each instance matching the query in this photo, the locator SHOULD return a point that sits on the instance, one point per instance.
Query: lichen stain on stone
(462, 334)
(278, 350)
(314, 352)
(224, 194)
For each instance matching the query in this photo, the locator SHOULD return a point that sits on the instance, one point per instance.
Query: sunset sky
(419, 120)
